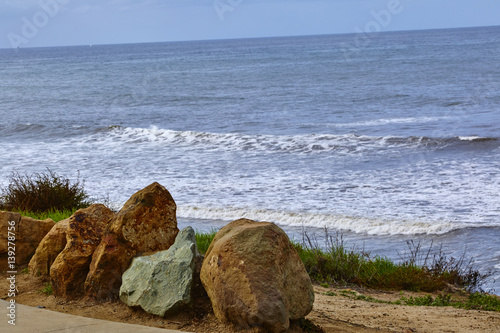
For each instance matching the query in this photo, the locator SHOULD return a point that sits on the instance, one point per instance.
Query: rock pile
(251, 272)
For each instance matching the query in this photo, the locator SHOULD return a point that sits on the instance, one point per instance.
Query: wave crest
(370, 226)
(310, 143)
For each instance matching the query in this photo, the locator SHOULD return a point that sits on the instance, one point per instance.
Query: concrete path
(34, 320)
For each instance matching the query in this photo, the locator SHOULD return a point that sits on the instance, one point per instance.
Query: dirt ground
(335, 310)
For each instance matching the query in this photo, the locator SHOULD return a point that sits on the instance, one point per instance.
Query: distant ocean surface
(391, 139)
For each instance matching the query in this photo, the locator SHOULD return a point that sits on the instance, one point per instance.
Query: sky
(35, 23)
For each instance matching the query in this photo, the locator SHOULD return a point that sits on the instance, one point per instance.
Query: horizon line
(248, 38)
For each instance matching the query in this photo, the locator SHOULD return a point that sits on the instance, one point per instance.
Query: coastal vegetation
(48, 195)
(421, 270)
(43, 192)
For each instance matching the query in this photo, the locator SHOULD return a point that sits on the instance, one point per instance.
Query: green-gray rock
(162, 282)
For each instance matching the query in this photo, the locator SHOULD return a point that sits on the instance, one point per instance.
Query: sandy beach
(335, 310)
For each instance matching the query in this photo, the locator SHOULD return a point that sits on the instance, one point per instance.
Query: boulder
(9, 221)
(255, 278)
(48, 249)
(84, 232)
(161, 283)
(27, 232)
(145, 225)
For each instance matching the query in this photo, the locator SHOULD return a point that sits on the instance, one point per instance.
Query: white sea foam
(474, 138)
(337, 222)
(386, 121)
(341, 144)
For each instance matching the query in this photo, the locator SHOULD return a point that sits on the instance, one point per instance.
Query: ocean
(385, 139)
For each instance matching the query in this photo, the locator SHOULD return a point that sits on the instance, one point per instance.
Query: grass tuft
(481, 301)
(47, 289)
(204, 239)
(440, 300)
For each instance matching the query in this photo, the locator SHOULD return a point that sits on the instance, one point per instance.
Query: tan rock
(48, 249)
(27, 232)
(70, 269)
(9, 221)
(145, 225)
(255, 278)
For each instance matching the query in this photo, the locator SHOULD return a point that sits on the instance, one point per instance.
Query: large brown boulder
(255, 278)
(145, 225)
(85, 229)
(27, 232)
(48, 249)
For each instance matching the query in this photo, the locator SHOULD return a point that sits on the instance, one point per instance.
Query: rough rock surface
(146, 224)
(255, 278)
(28, 233)
(48, 249)
(84, 232)
(162, 282)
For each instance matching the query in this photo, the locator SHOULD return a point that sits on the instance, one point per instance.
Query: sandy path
(363, 316)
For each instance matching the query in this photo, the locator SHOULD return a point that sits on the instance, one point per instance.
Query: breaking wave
(310, 143)
(370, 226)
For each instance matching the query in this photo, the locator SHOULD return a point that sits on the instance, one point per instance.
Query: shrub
(421, 271)
(43, 192)
(443, 270)
(478, 301)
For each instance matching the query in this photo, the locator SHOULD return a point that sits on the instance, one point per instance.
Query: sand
(335, 310)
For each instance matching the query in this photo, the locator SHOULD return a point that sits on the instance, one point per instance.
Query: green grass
(47, 289)
(480, 301)
(475, 301)
(421, 270)
(203, 240)
(55, 215)
(341, 266)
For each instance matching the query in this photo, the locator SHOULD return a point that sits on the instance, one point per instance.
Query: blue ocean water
(391, 140)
